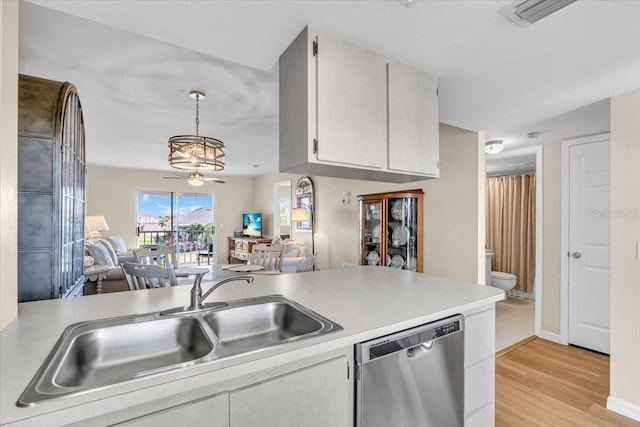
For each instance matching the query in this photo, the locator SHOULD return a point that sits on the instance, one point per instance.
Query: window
(282, 205)
(183, 221)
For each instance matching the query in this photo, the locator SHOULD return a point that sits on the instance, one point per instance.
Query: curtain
(511, 213)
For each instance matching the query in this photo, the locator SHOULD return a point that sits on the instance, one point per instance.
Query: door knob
(576, 254)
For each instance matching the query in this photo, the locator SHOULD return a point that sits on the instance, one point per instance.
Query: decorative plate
(399, 209)
(397, 261)
(376, 233)
(401, 234)
(373, 258)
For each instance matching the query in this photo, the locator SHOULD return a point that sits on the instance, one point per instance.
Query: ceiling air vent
(526, 12)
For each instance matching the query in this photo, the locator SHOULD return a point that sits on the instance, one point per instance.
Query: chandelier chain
(197, 114)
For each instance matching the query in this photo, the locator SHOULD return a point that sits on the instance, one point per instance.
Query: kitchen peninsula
(278, 385)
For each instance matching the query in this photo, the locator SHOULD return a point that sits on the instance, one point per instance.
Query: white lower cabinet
(479, 373)
(315, 396)
(209, 411)
(319, 394)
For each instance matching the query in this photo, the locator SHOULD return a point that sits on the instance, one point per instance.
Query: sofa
(110, 251)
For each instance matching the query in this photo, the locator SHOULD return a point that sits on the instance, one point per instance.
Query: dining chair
(145, 276)
(206, 254)
(161, 255)
(307, 264)
(268, 256)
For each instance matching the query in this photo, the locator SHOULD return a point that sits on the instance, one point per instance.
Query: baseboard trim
(515, 346)
(623, 407)
(550, 336)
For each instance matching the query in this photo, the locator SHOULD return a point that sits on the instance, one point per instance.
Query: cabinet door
(211, 412)
(414, 141)
(372, 233)
(403, 224)
(351, 104)
(314, 396)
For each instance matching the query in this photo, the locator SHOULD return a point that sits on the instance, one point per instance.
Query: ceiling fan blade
(218, 180)
(175, 177)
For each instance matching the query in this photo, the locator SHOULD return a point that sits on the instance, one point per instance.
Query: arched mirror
(302, 215)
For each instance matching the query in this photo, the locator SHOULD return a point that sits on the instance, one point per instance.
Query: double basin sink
(100, 353)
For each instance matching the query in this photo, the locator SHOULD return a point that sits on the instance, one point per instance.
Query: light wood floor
(540, 383)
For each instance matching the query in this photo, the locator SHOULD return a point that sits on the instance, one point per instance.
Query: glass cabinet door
(372, 233)
(402, 230)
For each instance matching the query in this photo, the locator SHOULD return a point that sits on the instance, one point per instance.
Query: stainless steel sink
(97, 354)
(263, 322)
(91, 355)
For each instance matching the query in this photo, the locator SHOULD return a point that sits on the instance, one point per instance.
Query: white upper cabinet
(414, 133)
(351, 105)
(350, 113)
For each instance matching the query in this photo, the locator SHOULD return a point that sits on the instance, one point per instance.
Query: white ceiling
(511, 165)
(134, 63)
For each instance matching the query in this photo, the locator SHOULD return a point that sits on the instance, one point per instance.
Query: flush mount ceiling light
(526, 12)
(195, 152)
(493, 147)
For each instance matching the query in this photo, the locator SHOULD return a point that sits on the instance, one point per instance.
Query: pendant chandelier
(195, 152)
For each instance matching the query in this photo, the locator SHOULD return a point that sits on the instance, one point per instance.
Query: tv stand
(241, 247)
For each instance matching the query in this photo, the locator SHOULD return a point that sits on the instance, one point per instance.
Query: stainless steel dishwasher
(412, 378)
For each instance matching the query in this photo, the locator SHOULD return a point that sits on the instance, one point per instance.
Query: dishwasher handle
(413, 341)
(420, 350)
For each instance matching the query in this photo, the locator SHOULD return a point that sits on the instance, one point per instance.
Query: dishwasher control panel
(446, 329)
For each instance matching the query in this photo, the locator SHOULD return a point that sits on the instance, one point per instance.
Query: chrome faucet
(197, 297)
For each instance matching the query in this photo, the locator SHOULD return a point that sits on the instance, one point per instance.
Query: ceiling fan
(195, 178)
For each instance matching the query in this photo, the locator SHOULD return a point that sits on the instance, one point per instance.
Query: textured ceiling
(135, 71)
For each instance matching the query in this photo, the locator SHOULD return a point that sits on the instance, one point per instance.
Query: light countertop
(367, 302)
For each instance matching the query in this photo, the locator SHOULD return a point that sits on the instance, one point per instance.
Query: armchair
(292, 255)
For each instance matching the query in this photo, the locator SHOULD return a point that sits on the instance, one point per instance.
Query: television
(252, 224)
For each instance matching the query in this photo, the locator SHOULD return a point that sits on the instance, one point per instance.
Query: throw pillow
(110, 251)
(118, 243)
(112, 242)
(100, 255)
(276, 241)
(291, 250)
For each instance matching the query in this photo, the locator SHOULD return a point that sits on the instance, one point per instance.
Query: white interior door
(589, 245)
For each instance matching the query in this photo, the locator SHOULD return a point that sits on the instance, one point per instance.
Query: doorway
(522, 317)
(282, 209)
(585, 269)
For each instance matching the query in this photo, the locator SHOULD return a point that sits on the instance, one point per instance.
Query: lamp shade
(299, 214)
(95, 224)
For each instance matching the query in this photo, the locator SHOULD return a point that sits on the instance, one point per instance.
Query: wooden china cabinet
(391, 229)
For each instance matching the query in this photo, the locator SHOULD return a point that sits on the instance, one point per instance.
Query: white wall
(8, 162)
(113, 192)
(625, 235)
(454, 232)
(551, 165)
(454, 210)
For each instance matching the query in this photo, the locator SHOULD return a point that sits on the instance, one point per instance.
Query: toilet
(498, 279)
(504, 281)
